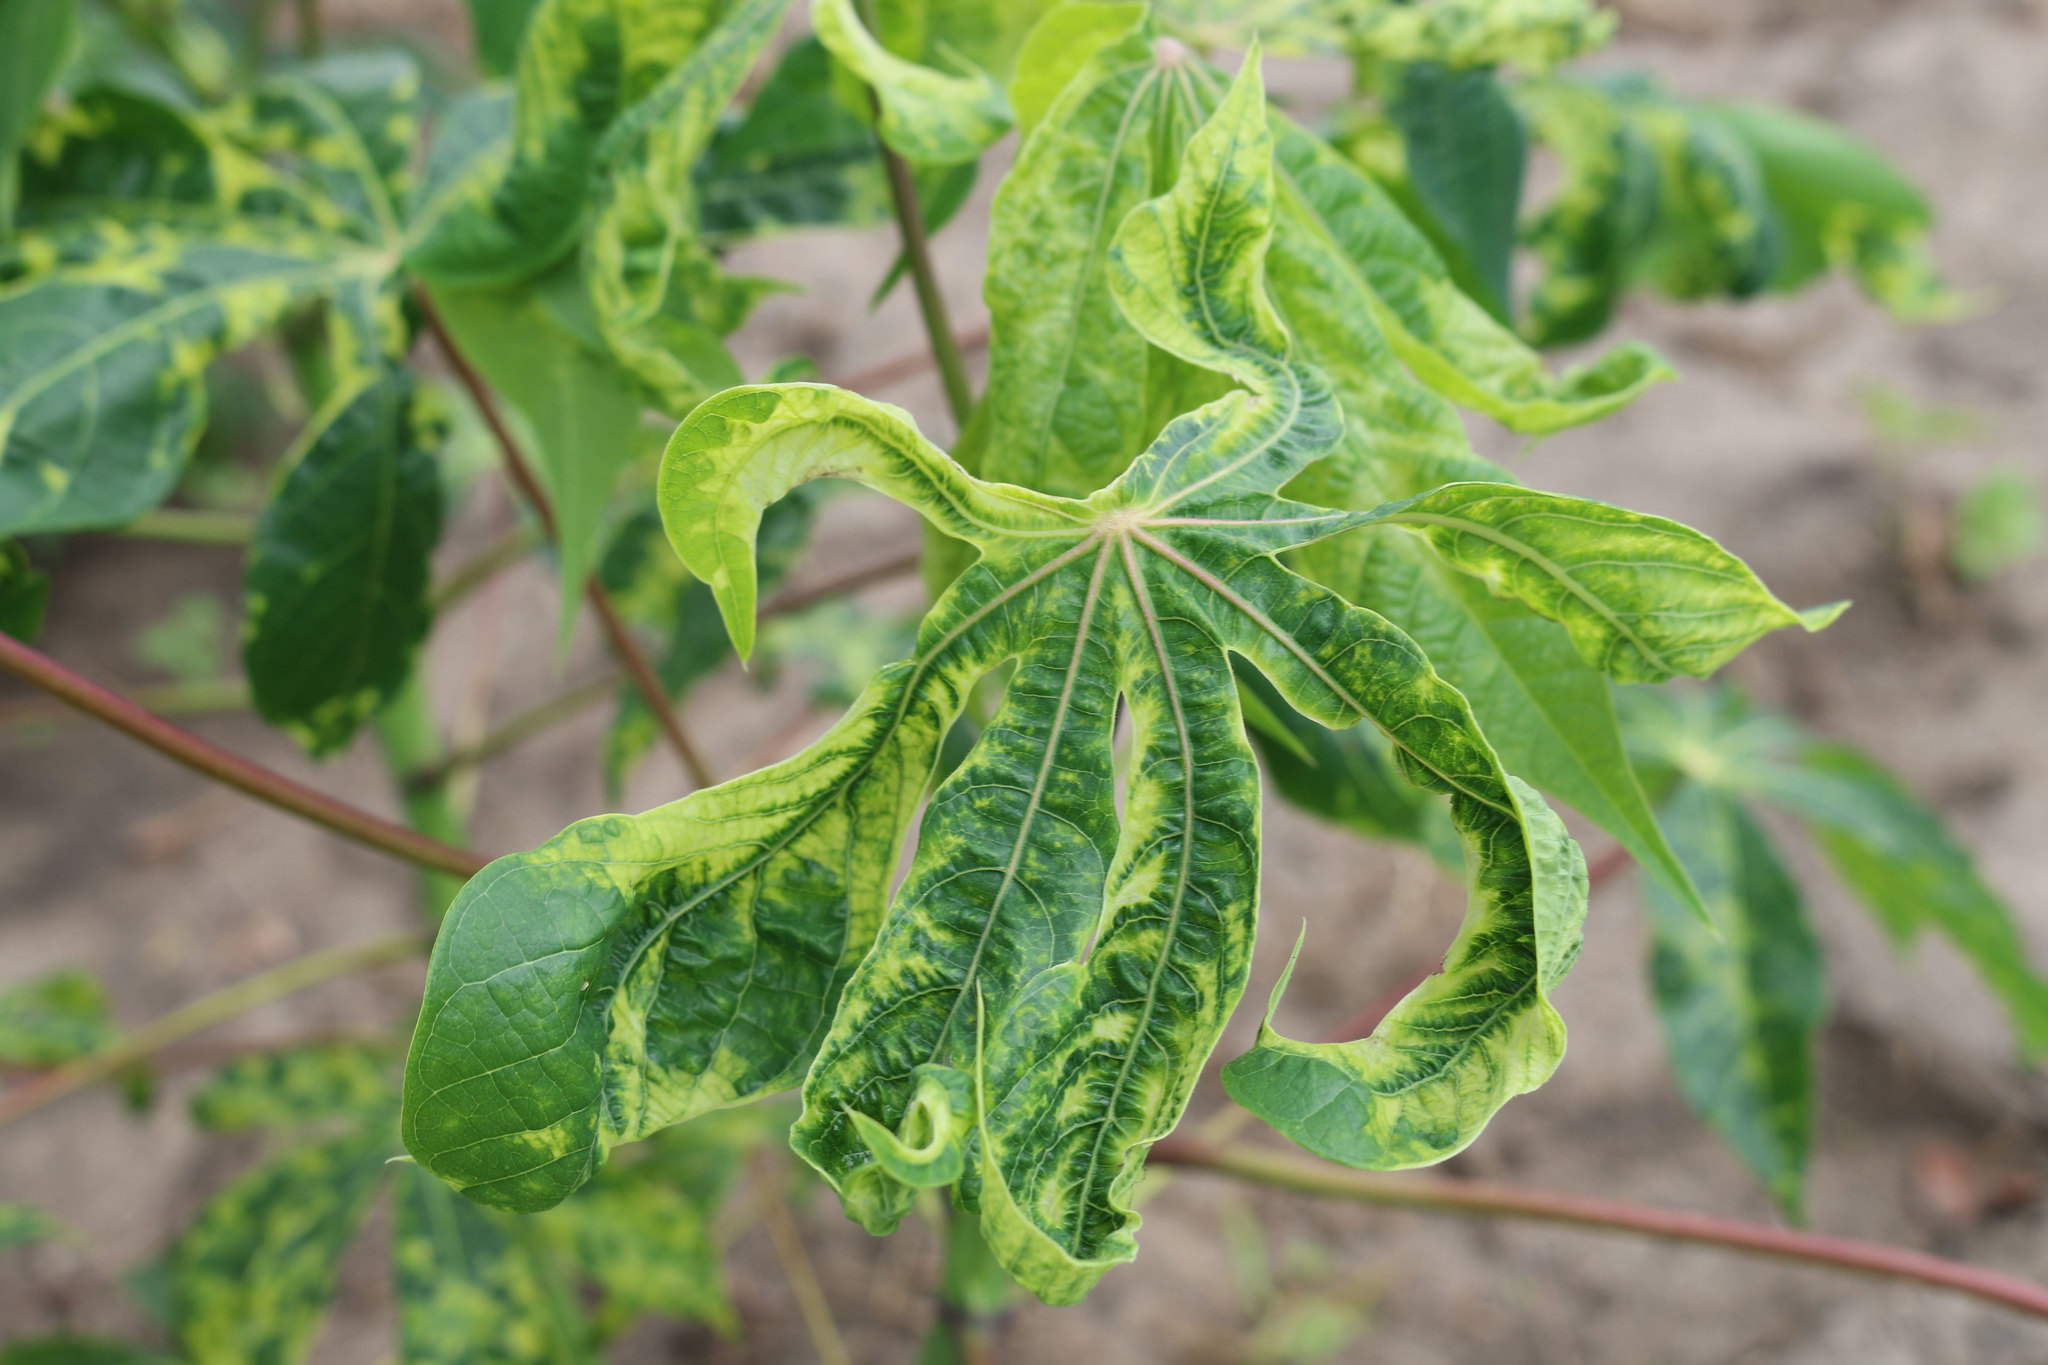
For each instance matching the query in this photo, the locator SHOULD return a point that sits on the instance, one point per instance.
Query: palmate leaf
(1370, 302)
(336, 585)
(638, 970)
(1462, 34)
(1741, 1009)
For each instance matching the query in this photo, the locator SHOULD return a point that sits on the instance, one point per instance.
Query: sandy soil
(112, 859)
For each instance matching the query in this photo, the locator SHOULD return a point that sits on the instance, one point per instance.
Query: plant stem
(517, 467)
(204, 1013)
(203, 696)
(931, 303)
(773, 1209)
(1487, 1199)
(522, 727)
(191, 527)
(351, 822)
(405, 727)
(974, 1296)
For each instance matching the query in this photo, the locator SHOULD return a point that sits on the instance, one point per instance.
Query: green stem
(189, 527)
(1485, 1199)
(501, 554)
(931, 304)
(974, 1296)
(309, 29)
(522, 727)
(405, 728)
(182, 746)
(204, 1013)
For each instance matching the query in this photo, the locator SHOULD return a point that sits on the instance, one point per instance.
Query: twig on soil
(204, 1013)
(773, 1210)
(351, 822)
(517, 467)
(1488, 1199)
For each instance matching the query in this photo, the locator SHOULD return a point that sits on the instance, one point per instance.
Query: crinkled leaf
(1462, 1043)
(54, 1018)
(1643, 597)
(928, 115)
(583, 66)
(300, 1086)
(24, 593)
(250, 1280)
(659, 296)
(36, 39)
(1838, 203)
(1741, 1007)
(475, 1286)
(336, 587)
(1084, 1059)
(105, 335)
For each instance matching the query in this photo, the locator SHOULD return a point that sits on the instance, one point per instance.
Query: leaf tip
(1823, 616)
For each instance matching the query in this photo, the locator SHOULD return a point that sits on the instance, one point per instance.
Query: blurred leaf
(336, 586)
(36, 38)
(1467, 34)
(299, 1086)
(1903, 421)
(475, 1286)
(498, 25)
(251, 1279)
(55, 1018)
(1741, 1007)
(24, 1224)
(647, 1247)
(1466, 149)
(1900, 860)
(24, 594)
(1998, 524)
(190, 642)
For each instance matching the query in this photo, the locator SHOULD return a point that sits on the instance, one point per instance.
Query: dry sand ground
(111, 858)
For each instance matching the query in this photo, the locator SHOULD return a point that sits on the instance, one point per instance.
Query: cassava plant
(1214, 521)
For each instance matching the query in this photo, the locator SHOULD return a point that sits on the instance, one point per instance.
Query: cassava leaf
(298, 1087)
(36, 39)
(1460, 34)
(474, 1285)
(1466, 149)
(336, 587)
(660, 299)
(54, 1018)
(928, 115)
(581, 408)
(1084, 1060)
(1643, 597)
(1903, 863)
(1741, 1009)
(252, 1277)
(497, 27)
(645, 1243)
(1362, 292)
(105, 335)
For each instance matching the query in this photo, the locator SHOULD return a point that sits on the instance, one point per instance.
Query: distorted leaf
(927, 115)
(335, 593)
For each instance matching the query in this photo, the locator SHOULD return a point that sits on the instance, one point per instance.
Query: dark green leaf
(336, 587)
(36, 39)
(1466, 149)
(498, 25)
(1741, 1008)
(24, 593)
